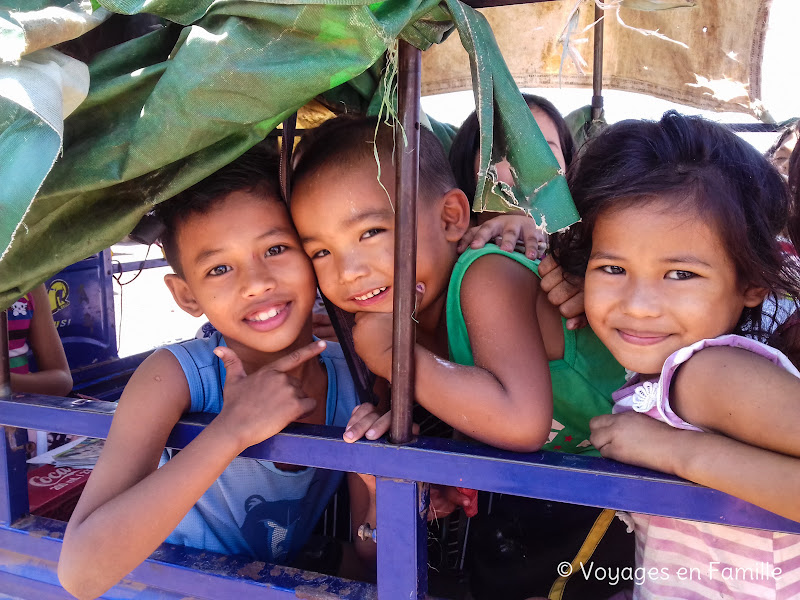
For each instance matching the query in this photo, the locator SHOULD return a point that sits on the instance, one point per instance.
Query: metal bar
(287, 146)
(16, 586)
(754, 127)
(363, 378)
(597, 70)
(153, 263)
(5, 371)
(553, 476)
(186, 572)
(402, 539)
(13, 474)
(493, 3)
(13, 479)
(405, 241)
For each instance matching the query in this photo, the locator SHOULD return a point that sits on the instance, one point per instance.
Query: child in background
(464, 377)
(31, 327)
(678, 244)
(507, 231)
(464, 155)
(780, 152)
(238, 260)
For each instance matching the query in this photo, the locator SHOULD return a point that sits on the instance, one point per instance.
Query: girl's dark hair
(794, 187)
(701, 166)
(467, 140)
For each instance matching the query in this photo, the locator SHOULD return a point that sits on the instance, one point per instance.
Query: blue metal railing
(401, 549)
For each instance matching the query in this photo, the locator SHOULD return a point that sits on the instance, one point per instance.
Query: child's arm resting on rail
(53, 377)
(130, 506)
(751, 408)
(504, 400)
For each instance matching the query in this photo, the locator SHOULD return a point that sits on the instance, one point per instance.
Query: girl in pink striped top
(31, 327)
(678, 245)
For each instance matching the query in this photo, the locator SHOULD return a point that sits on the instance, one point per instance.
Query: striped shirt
(684, 560)
(19, 323)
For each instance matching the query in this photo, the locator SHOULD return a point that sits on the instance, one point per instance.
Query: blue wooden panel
(172, 572)
(402, 539)
(17, 587)
(550, 475)
(82, 302)
(13, 474)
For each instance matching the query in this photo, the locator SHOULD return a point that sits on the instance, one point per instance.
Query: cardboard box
(54, 491)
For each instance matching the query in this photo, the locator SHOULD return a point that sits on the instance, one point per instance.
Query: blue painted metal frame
(401, 536)
(403, 508)
(170, 572)
(82, 301)
(554, 476)
(13, 469)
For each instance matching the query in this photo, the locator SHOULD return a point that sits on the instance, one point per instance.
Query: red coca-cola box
(53, 491)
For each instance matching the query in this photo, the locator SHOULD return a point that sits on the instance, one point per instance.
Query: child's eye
(219, 270)
(275, 250)
(371, 232)
(320, 254)
(613, 270)
(680, 275)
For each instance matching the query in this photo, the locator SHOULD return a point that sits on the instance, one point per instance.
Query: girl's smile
(659, 279)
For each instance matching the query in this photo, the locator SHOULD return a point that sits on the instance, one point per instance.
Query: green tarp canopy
(213, 78)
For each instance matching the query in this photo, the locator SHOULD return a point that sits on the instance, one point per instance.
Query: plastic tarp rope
(166, 109)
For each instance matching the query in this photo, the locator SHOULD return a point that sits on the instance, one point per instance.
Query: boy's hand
(446, 498)
(507, 231)
(259, 405)
(372, 337)
(567, 297)
(366, 421)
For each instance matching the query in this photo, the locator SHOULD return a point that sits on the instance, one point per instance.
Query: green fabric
(169, 108)
(509, 131)
(582, 381)
(582, 127)
(29, 147)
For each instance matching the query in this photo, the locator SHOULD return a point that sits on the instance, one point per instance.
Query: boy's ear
(455, 214)
(753, 296)
(183, 294)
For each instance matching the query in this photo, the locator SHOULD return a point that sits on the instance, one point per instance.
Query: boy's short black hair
(254, 171)
(347, 140)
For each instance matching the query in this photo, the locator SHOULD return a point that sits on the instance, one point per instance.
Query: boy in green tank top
(493, 356)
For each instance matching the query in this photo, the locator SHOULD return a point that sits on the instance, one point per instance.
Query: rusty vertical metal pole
(405, 241)
(597, 69)
(5, 370)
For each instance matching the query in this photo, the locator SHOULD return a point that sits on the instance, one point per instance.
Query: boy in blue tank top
(238, 260)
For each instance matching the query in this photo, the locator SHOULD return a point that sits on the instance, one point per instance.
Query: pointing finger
(298, 357)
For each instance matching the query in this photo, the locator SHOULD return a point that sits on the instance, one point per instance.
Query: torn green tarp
(36, 92)
(583, 127)
(36, 28)
(540, 189)
(162, 114)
